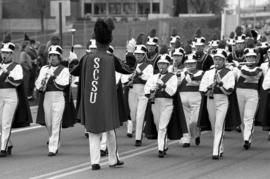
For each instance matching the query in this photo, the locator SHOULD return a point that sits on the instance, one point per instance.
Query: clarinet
(153, 93)
(211, 92)
(44, 81)
(131, 79)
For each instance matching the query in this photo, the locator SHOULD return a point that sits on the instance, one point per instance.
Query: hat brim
(92, 46)
(151, 43)
(239, 41)
(178, 53)
(250, 54)
(190, 61)
(219, 55)
(139, 52)
(199, 44)
(6, 50)
(54, 52)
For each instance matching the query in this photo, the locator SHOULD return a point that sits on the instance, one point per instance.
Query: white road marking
(35, 126)
(87, 165)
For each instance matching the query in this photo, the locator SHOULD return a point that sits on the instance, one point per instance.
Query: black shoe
(9, 150)
(165, 151)
(95, 167)
(197, 140)
(103, 153)
(247, 145)
(215, 157)
(221, 154)
(3, 153)
(238, 129)
(185, 145)
(51, 154)
(87, 136)
(129, 135)
(138, 143)
(269, 137)
(117, 164)
(161, 154)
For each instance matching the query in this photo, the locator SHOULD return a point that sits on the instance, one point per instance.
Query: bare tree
(206, 6)
(181, 6)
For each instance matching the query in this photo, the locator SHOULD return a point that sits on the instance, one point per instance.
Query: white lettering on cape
(94, 82)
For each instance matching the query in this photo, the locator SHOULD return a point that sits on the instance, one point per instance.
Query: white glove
(50, 73)
(72, 56)
(160, 82)
(138, 70)
(3, 68)
(131, 45)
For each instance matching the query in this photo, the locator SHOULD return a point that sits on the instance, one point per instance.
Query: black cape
(22, 116)
(263, 110)
(103, 114)
(123, 112)
(177, 125)
(232, 119)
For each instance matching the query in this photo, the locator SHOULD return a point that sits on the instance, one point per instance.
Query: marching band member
(178, 56)
(159, 89)
(264, 98)
(98, 90)
(205, 61)
(91, 46)
(191, 99)
(173, 39)
(11, 93)
(248, 77)
(230, 43)
(52, 80)
(266, 81)
(237, 54)
(136, 98)
(152, 49)
(217, 83)
(262, 116)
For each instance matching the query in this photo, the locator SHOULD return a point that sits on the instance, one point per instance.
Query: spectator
(25, 61)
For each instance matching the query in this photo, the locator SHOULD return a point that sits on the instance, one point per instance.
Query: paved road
(30, 160)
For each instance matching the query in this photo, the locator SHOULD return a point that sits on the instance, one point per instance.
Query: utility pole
(254, 11)
(239, 12)
(60, 24)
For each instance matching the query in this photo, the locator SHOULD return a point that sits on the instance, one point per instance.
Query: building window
(156, 8)
(100, 8)
(114, 8)
(129, 8)
(88, 8)
(143, 8)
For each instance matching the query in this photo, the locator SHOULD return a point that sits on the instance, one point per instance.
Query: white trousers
(191, 102)
(94, 146)
(162, 111)
(8, 104)
(247, 101)
(54, 105)
(217, 109)
(137, 103)
(103, 142)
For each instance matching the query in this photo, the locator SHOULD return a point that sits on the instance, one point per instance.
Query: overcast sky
(247, 3)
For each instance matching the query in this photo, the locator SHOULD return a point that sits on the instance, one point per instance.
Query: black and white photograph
(129, 89)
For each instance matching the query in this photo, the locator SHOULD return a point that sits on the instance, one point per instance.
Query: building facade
(125, 8)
